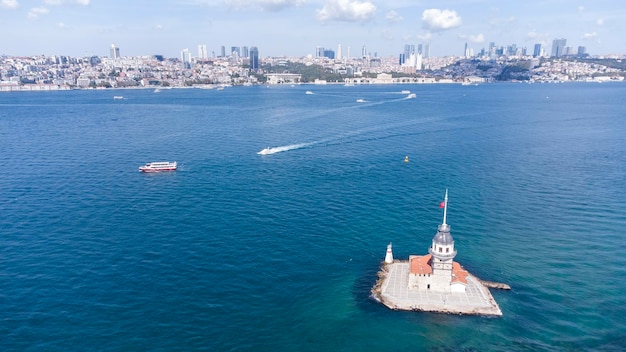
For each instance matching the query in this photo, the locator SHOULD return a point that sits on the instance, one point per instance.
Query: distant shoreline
(55, 88)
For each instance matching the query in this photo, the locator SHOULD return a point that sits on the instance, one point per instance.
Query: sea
(237, 251)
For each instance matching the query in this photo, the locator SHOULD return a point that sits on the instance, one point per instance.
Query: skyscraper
(223, 51)
(558, 47)
(254, 58)
(115, 52)
(245, 52)
(339, 52)
(537, 51)
(202, 52)
(185, 57)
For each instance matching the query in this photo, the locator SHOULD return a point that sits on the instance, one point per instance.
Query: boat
(360, 100)
(411, 96)
(265, 151)
(118, 97)
(157, 166)
(406, 92)
(308, 92)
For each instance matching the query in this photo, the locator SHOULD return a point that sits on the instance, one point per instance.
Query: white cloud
(66, 2)
(277, 5)
(9, 4)
(265, 5)
(542, 38)
(346, 10)
(600, 21)
(393, 16)
(478, 38)
(590, 36)
(440, 20)
(425, 37)
(35, 12)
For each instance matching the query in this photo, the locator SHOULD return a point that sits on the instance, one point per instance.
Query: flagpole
(445, 208)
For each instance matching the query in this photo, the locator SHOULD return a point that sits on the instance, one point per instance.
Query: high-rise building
(558, 47)
(537, 50)
(408, 50)
(245, 52)
(202, 52)
(223, 51)
(364, 51)
(115, 52)
(254, 58)
(234, 50)
(329, 54)
(582, 51)
(426, 53)
(185, 57)
(339, 52)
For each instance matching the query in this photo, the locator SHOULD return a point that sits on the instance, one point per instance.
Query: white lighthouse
(389, 255)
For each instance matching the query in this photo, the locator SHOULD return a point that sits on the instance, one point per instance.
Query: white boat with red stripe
(157, 166)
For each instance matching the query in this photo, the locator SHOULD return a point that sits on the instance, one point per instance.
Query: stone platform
(392, 291)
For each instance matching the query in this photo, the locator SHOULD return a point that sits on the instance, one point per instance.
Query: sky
(295, 28)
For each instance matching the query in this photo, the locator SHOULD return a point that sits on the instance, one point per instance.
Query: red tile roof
(420, 265)
(458, 273)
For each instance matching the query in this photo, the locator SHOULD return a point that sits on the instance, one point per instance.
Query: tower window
(439, 249)
(447, 250)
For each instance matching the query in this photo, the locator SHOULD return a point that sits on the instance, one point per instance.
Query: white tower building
(442, 248)
(437, 270)
(389, 255)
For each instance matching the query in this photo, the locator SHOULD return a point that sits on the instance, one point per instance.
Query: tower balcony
(442, 256)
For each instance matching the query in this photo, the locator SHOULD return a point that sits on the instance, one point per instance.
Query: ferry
(157, 166)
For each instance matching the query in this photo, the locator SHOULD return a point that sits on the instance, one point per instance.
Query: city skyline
(297, 27)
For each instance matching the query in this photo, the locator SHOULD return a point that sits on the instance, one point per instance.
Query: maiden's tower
(434, 281)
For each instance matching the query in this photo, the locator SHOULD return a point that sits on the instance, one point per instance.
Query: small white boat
(308, 92)
(360, 100)
(157, 166)
(118, 97)
(406, 92)
(265, 151)
(411, 96)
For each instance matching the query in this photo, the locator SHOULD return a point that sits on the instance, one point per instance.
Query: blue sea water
(237, 251)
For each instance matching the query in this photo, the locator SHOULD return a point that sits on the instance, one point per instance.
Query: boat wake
(284, 148)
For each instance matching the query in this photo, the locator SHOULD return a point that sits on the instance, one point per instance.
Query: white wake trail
(284, 148)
